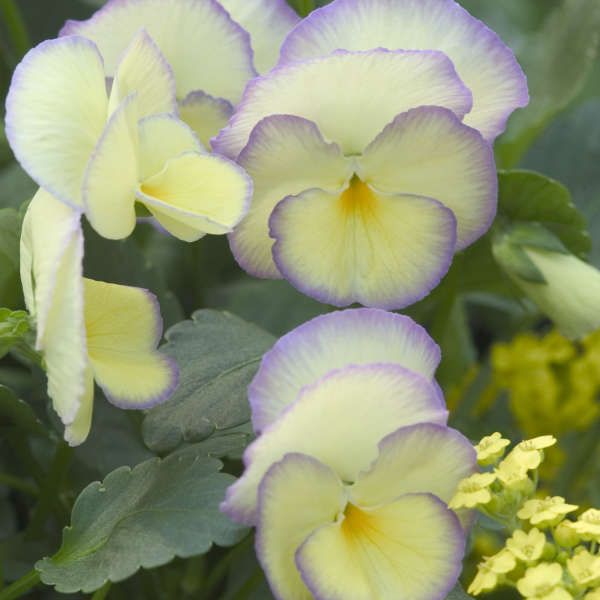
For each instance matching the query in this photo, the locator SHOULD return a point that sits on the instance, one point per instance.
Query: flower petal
(268, 22)
(487, 67)
(285, 155)
(204, 192)
(163, 137)
(51, 255)
(296, 496)
(55, 112)
(384, 251)
(143, 69)
(375, 85)
(205, 47)
(205, 115)
(124, 327)
(419, 458)
(76, 432)
(427, 151)
(111, 176)
(409, 549)
(330, 412)
(333, 341)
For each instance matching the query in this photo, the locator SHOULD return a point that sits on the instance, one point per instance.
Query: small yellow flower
(593, 595)
(513, 475)
(490, 571)
(547, 512)
(585, 568)
(527, 546)
(537, 443)
(473, 491)
(588, 524)
(491, 448)
(566, 535)
(541, 581)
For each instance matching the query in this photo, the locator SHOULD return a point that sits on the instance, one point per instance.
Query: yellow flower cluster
(553, 383)
(548, 556)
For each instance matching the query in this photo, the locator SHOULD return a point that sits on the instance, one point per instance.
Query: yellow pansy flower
(491, 448)
(527, 546)
(473, 491)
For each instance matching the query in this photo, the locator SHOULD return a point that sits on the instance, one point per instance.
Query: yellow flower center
(358, 200)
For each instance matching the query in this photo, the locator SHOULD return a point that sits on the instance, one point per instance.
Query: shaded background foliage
(558, 135)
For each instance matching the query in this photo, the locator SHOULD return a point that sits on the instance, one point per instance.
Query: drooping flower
(365, 200)
(100, 154)
(209, 45)
(386, 534)
(491, 570)
(88, 330)
(486, 66)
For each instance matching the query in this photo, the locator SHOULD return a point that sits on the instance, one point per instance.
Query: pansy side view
(100, 153)
(348, 480)
(370, 152)
(88, 330)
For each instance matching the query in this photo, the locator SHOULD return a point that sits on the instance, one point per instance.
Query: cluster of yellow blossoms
(548, 556)
(553, 383)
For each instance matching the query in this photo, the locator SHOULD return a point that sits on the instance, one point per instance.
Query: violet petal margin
(486, 65)
(334, 341)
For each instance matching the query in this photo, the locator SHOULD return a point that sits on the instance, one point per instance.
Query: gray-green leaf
(218, 355)
(142, 518)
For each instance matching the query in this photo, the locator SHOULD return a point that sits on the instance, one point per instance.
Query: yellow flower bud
(565, 534)
(588, 525)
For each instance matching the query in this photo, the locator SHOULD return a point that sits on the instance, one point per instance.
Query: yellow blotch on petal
(358, 200)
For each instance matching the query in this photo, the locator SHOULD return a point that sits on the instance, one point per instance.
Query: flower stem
(19, 587)
(102, 592)
(18, 484)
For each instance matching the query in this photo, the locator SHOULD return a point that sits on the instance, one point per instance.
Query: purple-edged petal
(143, 69)
(487, 67)
(56, 109)
(333, 341)
(197, 193)
(285, 155)
(267, 22)
(381, 250)
(111, 176)
(51, 255)
(296, 496)
(338, 420)
(407, 549)
(124, 326)
(205, 47)
(427, 151)
(76, 432)
(205, 115)
(420, 458)
(375, 86)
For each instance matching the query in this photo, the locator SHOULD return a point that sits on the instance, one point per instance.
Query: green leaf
(16, 186)
(10, 280)
(142, 518)
(557, 62)
(457, 593)
(570, 151)
(15, 413)
(273, 304)
(218, 355)
(13, 327)
(531, 197)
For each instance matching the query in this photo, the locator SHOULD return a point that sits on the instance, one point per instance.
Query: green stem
(18, 484)
(19, 587)
(50, 488)
(25, 350)
(221, 569)
(305, 7)
(11, 15)
(102, 592)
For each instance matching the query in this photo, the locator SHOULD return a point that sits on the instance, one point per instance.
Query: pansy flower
(214, 48)
(100, 153)
(88, 330)
(360, 196)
